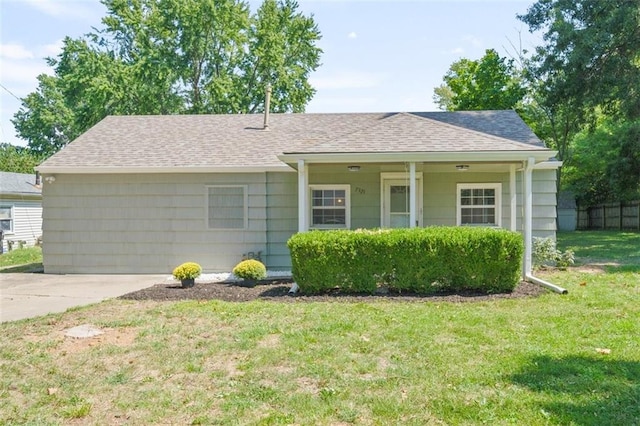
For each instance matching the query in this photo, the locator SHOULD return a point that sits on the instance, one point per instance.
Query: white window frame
(245, 210)
(497, 206)
(347, 205)
(12, 219)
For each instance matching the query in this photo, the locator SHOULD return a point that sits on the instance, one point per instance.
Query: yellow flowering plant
(186, 271)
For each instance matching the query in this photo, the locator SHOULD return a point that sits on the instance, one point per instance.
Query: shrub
(424, 260)
(188, 270)
(546, 254)
(250, 269)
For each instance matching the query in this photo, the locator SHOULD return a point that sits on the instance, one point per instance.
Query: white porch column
(528, 215)
(303, 190)
(412, 195)
(513, 197)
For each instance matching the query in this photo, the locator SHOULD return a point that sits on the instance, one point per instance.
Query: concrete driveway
(32, 295)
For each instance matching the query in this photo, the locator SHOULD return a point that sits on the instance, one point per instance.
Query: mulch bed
(278, 290)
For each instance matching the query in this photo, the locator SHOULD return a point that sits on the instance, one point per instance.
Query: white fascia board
(548, 165)
(161, 170)
(444, 157)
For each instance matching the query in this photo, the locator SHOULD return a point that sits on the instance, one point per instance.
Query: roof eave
(540, 155)
(20, 196)
(92, 170)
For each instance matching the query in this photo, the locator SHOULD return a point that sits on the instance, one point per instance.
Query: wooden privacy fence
(613, 216)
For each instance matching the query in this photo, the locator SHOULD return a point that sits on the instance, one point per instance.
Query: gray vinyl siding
(282, 218)
(27, 222)
(544, 203)
(145, 223)
(151, 223)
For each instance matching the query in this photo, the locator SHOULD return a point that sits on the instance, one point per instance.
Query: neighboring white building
(20, 209)
(142, 194)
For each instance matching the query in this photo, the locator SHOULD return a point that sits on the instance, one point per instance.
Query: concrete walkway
(32, 295)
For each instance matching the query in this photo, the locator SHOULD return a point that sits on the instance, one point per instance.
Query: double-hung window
(479, 204)
(330, 207)
(6, 219)
(227, 207)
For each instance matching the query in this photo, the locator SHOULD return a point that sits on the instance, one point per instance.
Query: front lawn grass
(551, 360)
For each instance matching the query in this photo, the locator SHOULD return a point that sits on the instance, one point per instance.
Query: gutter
(546, 284)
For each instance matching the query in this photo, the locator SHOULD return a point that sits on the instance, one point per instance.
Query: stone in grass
(83, 331)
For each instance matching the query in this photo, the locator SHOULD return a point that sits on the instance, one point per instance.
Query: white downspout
(513, 196)
(528, 230)
(303, 178)
(528, 215)
(412, 195)
(303, 220)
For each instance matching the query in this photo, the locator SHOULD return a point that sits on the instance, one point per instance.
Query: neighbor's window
(6, 218)
(227, 207)
(330, 207)
(479, 204)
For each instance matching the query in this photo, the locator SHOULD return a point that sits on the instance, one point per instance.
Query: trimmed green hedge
(424, 260)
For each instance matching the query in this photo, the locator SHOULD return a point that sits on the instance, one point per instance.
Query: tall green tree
(174, 57)
(587, 69)
(491, 82)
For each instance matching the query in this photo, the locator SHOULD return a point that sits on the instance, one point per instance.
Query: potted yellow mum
(250, 271)
(187, 273)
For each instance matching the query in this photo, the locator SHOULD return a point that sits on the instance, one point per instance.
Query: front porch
(515, 195)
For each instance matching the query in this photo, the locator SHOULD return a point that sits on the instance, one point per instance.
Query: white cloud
(347, 80)
(457, 51)
(14, 51)
(352, 34)
(21, 76)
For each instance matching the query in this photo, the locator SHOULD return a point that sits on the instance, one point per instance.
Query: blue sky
(378, 55)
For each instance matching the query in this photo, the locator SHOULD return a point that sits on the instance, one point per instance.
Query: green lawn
(28, 259)
(552, 360)
(602, 246)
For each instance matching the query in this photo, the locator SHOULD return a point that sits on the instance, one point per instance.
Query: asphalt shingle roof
(18, 184)
(405, 132)
(239, 140)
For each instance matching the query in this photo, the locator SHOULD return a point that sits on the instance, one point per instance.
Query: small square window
(6, 218)
(479, 204)
(330, 207)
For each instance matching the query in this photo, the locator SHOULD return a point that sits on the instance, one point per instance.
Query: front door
(396, 201)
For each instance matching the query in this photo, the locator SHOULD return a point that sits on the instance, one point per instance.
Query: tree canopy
(492, 82)
(585, 79)
(591, 52)
(173, 57)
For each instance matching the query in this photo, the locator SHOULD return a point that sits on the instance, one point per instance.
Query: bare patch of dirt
(590, 269)
(278, 290)
(118, 337)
